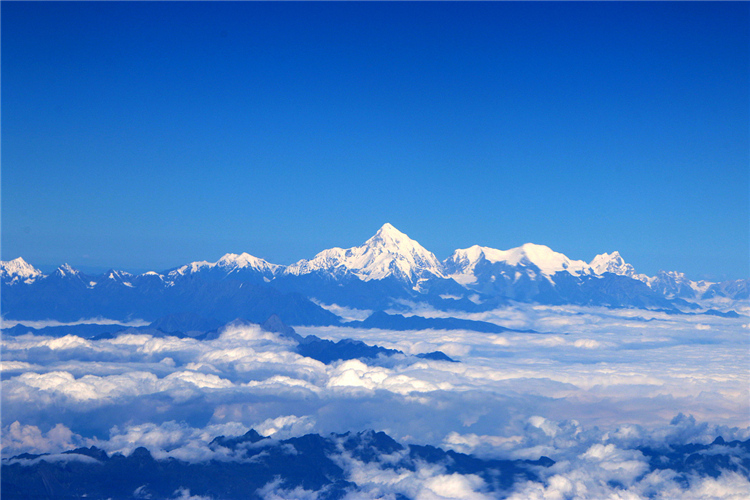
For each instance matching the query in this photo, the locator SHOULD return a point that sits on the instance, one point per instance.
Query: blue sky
(146, 135)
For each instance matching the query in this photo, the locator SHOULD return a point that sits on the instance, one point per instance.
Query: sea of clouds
(588, 390)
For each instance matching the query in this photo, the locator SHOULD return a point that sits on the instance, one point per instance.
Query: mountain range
(309, 466)
(389, 271)
(316, 466)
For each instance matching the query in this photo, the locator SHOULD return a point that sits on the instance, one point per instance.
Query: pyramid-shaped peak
(388, 233)
(18, 270)
(611, 263)
(17, 265)
(388, 253)
(389, 228)
(67, 269)
(390, 239)
(609, 257)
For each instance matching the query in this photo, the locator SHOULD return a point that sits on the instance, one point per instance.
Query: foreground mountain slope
(247, 467)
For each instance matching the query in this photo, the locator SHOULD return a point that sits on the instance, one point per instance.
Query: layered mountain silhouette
(389, 271)
(244, 465)
(310, 346)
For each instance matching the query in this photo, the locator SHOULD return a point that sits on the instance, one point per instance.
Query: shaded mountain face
(244, 467)
(390, 270)
(251, 466)
(71, 296)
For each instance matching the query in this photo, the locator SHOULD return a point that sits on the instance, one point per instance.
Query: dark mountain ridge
(250, 462)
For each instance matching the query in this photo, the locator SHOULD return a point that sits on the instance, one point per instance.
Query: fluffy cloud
(597, 385)
(591, 464)
(19, 438)
(357, 375)
(87, 321)
(169, 439)
(286, 426)
(658, 485)
(276, 491)
(452, 486)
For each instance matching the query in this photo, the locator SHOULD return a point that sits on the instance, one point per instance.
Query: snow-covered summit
(229, 263)
(612, 263)
(113, 274)
(388, 253)
(549, 262)
(244, 260)
(66, 270)
(191, 268)
(17, 271)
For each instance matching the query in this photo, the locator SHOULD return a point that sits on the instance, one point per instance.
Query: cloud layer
(587, 392)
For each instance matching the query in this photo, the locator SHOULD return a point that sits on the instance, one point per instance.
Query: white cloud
(357, 375)
(275, 491)
(586, 484)
(17, 366)
(93, 388)
(600, 383)
(453, 486)
(201, 380)
(286, 426)
(616, 464)
(347, 313)
(168, 439)
(18, 438)
(728, 486)
(54, 458)
(591, 464)
(87, 321)
(184, 494)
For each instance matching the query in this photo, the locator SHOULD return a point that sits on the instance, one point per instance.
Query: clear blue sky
(146, 135)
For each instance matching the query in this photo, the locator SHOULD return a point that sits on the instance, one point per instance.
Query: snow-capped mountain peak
(18, 270)
(389, 237)
(191, 268)
(245, 260)
(229, 263)
(117, 275)
(66, 270)
(388, 253)
(542, 257)
(611, 263)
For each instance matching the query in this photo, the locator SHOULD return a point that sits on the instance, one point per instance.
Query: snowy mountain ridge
(229, 263)
(611, 263)
(461, 266)
(513, 273)
(17, 271)
(388, 253)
